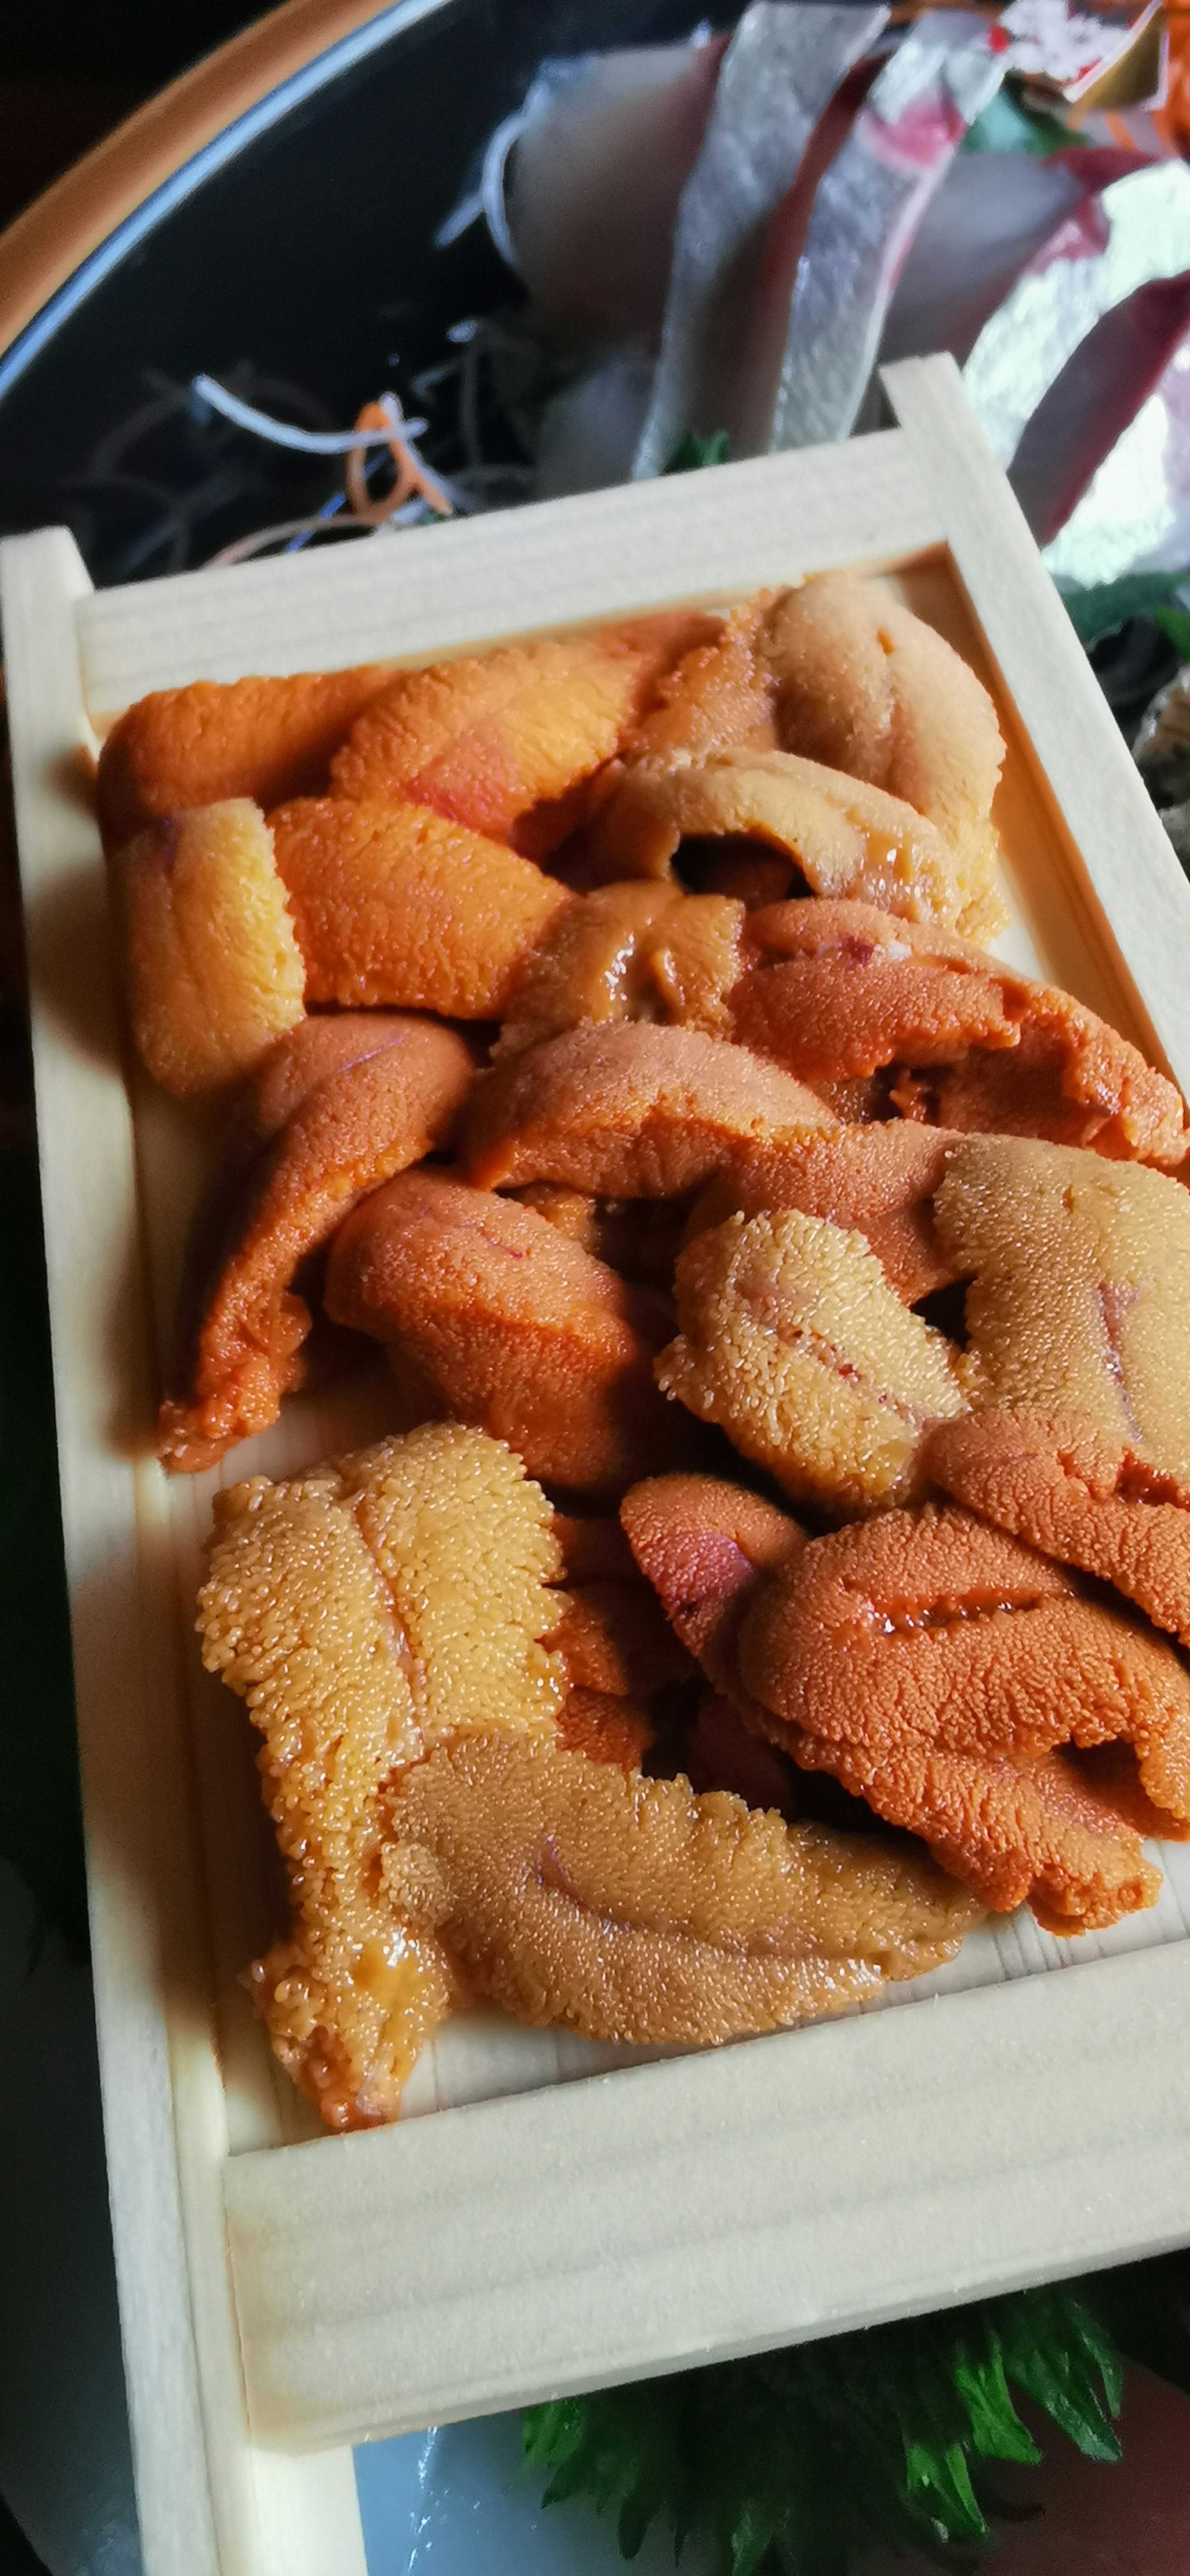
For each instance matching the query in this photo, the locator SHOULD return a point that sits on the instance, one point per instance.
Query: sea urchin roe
(594, 1549)
(719, 694)
(590, 964)
(844, 990)
(635, 951)
(613, 1636)
(363, 1611)
(849, 840)
(266, 739)
(1078, 1496)
(633, 1910)
(703, 1543)
(513, 1327)
(1080, 1287)
(296, 1618)
(1071, 1078)
(878, 1180)
(946, 1673)
(212, 968)
(486, 739)
(396, 904)
(696, 959)
(464, 1541)
(792, 1339)
(865, 685)
(640, 1238)
(627, 1112)
(605, 1725)
(365, 1118)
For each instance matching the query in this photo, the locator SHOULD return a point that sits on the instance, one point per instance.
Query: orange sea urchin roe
(627, 1112)
(629, 951)
(613, 1636)
(1077, 1496)
(719, 694)
(606, 1726)
(848, 839)
(386, 1106)
(844, 989)
(701, 1541)
(868, 687)
(515, 1328)
(860, 989)
(879, 1180)
(633, 1910)
(705, 1545)
(486, 739)
(940, 1670)
(394, 904)
(267, 739)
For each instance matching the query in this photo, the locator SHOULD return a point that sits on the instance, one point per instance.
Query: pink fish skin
(763, 349)
(1092, 402)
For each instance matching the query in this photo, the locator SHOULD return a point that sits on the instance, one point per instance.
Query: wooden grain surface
(209, 2503)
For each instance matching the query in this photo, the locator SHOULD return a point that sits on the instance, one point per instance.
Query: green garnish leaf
(1005, 125)
(799, 2462)
(692, 452)
(1107, 604)
(1175, 622)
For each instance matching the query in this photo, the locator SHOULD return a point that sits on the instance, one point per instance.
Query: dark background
(302, 272)
(70, 69)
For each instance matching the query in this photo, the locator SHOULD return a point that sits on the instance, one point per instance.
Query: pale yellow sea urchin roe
(348, 1674)
(211, 964)
(1080, 1294)
(634, 1910)
(295, 1617)
(792, 1339)
(464, 1541)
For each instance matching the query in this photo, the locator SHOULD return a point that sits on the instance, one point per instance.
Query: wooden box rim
(511, 2249)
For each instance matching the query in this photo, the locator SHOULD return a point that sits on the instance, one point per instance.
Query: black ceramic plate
(293, 256)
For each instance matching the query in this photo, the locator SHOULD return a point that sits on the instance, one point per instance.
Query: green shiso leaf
(797, 2463)
(1144, 2309)
(997, 2432)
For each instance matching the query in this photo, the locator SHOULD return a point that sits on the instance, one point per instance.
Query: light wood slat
(424, 591)
(88, 1192)
(209, 2504)
(1125, 872)
(721, 2204)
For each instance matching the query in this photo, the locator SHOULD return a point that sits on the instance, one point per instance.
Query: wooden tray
(282, 2296)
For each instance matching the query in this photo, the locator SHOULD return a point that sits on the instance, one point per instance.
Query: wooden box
(551, 2215)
